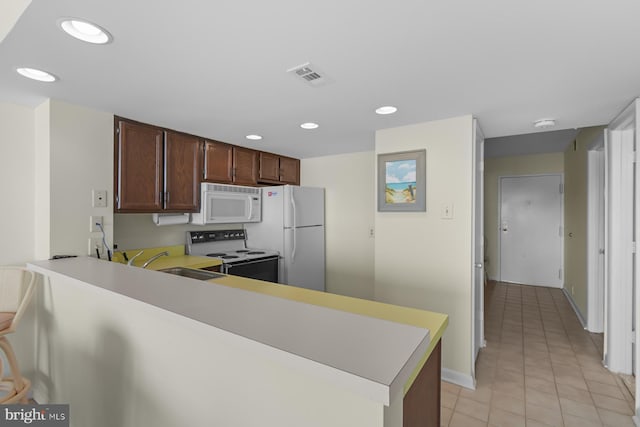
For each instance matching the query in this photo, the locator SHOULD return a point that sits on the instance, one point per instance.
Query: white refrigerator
(293, 224)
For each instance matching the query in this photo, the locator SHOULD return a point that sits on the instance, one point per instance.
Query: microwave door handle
(250, 210)
(293, 205)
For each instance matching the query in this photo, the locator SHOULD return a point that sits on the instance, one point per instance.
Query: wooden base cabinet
(421, 405)
(156, 170)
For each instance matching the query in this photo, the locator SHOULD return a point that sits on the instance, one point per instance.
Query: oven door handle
(230, 266)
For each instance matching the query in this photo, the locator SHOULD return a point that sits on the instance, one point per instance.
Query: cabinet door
(183, 160)
(269, 167)
(289, 170)
(245, 166)
(218, 162)
(139, 167)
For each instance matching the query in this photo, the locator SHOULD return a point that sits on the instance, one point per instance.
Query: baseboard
(458, 378)
(575, 308)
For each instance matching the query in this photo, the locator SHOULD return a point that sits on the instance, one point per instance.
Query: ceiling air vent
(309, 73)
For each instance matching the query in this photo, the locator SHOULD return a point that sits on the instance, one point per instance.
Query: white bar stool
(16, 289)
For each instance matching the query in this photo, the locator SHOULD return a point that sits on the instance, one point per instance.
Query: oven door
(261, 269)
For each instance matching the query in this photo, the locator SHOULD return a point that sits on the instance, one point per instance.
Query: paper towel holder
(170, 218)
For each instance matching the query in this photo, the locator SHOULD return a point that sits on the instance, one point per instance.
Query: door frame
(477, 289)
(619, 336)
(499, 240)
(596, 232)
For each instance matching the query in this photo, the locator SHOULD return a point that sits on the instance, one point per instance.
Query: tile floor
(540, 368)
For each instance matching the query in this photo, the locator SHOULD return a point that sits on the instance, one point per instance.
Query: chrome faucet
(153, 258)
(130, 263)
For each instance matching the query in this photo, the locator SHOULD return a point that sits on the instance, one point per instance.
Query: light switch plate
(447, 211)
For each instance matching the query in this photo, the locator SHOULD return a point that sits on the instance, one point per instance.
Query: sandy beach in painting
(400, 192)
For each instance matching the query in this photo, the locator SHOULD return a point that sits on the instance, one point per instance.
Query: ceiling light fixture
(85, 31)
(387, 109)
(544, 123)
(35, 74)
(254, 137)
(309, 125)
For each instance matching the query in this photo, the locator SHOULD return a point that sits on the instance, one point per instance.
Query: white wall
(349, 182)
(136, 231)
(17, 167)
(42, 193)
(76, 145)
(424, 261)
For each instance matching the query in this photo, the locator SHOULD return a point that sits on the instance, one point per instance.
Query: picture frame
(402, 181)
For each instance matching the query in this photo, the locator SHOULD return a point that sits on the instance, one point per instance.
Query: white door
(304, 257)
(478, 242)
(531, 230)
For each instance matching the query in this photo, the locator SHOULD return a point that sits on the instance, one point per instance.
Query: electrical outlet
(93, 228)
(95, 242)
(372, 232)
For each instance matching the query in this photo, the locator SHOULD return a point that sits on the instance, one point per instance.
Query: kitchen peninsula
(129, 347)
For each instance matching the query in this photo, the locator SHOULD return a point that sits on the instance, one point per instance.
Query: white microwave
(224, 204)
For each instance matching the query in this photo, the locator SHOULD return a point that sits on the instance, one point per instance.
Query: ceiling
(218, 69)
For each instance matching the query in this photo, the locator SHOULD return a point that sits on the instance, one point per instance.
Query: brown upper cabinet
(183, 169)
(157, 170)
(218, 162)
(275, 169)
(225, 163)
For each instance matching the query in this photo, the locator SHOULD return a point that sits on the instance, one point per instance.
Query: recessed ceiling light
(254, 137)
(544, 123)
(309, 125)
(387, 109)
(32, 73)
(85, 31)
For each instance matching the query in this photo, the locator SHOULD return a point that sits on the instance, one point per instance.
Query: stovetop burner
(226, 245)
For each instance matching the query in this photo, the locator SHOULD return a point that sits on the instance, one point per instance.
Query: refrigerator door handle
(293, 205)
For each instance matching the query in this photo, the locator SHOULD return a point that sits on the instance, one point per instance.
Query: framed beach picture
(402, 181)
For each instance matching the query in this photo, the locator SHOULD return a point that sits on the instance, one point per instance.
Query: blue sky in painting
(401, 171)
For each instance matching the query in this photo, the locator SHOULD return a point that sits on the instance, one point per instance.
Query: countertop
(346, 341)
(176, 258)
(436, 323)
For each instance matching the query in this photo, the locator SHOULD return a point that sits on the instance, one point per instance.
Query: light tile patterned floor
(540, 368)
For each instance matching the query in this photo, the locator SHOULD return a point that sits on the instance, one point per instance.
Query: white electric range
(229, 246)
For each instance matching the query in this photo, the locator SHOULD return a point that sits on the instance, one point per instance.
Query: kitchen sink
(192, 274)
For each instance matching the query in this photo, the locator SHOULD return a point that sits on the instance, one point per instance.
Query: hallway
(540, 368)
